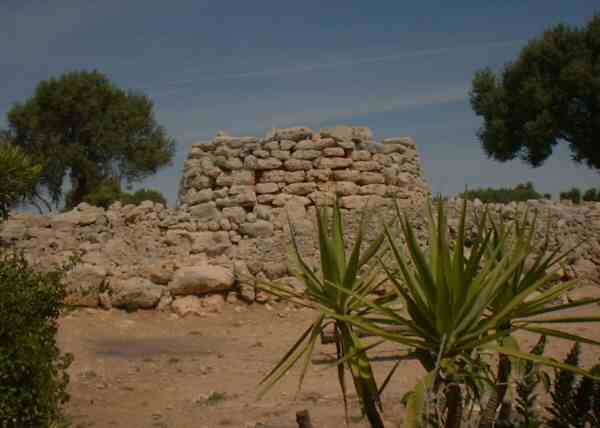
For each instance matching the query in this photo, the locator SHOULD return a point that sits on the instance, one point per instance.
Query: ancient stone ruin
(237, 198)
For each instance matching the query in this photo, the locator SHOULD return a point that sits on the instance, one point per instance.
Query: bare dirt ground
(151, 369)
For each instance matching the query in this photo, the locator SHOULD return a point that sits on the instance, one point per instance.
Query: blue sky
(401, 68)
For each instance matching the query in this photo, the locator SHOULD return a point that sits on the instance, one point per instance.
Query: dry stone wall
(242, 191)
(236, 200)
(231, 226)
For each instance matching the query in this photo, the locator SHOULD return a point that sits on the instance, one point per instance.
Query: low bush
(148, 195)
(33, 378)
(110, 192)
(503, 195)
(573, 195)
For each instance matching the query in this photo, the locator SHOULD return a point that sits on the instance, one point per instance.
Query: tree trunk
(80, 190)
(489, 413)
(454, 405)
(303, 419)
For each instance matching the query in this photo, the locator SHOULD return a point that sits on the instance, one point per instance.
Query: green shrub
(110, 191)
(591, 195)
(573, 195)
(521, 192)
(148, 195)
(106, 194)
(33, 376)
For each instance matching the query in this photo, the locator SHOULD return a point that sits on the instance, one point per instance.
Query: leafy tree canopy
(19, 176)
(551, 93)
(89, 130)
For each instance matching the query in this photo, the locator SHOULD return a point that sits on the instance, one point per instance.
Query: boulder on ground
(135, 293)
(84, 284)
(201, 279)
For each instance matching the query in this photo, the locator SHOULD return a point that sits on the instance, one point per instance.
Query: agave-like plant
(340, 288)
(457, 305)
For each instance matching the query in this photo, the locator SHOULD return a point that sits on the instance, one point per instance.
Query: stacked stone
(234, 184)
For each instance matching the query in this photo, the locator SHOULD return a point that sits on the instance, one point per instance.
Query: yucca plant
(452, 302)
(339, 288)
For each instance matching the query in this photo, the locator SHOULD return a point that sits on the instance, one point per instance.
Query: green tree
(89, 130)
(19, 176)
(549, 94)
(590, 195)
(521, 192)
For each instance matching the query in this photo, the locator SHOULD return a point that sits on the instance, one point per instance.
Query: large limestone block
(267, 188)
(235, 177)
(298, 164)
(257, 229)
(297, 133)
(334, 163)
(201, 279)
(205, 212)
(84, 283)
(135, 293)
(75, 218)
(300, 188)
(306, 154)
(315, 145)
(269, 163)
(350, 133)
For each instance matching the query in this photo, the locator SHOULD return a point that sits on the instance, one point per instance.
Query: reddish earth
(151, 369)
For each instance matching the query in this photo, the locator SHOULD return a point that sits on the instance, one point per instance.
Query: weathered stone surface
(281, 154)
(258, 228)
(334, 152)
(297, 164)
(135, 293)
(84, 284)
(371, 178)
(188, 305)
(201, 279)
(297, 133)
(347, 175)
(235, 177)
(234, 201)
(204, 212)
(306, 154)
(334, 163)
(300, 188)
(158, 273)
(367, 166)
(270, 163)
(267, 188)
(235, 214)
(350, 133)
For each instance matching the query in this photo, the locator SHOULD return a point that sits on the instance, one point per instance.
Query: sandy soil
(151, 369)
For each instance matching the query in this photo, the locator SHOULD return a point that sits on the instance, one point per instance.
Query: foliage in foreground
(19, 177)
(520, 193)
(33, 378)
(338, 289)
(575, 400)
(463, 304)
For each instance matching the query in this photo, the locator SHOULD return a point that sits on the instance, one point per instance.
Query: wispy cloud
(30, 28)
(255, 116)
(175, 86)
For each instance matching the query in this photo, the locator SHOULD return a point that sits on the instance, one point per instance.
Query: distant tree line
(521, 192)
(576, 196)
